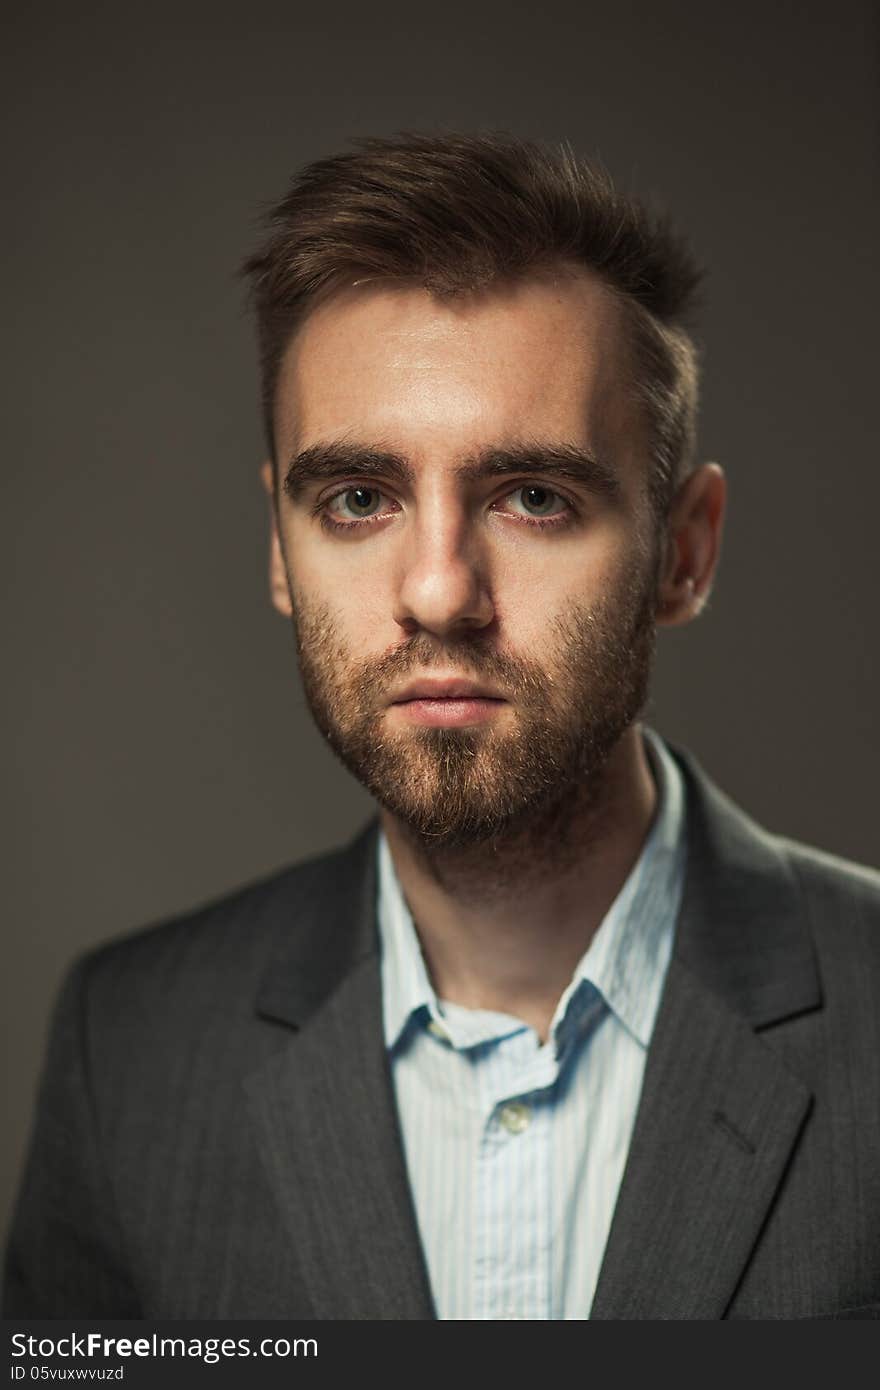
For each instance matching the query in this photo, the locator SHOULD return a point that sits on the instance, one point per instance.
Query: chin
(456, 824)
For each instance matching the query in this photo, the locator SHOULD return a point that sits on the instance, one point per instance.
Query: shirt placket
(512, 1226)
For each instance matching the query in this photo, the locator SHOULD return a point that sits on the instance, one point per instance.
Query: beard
(520, 778)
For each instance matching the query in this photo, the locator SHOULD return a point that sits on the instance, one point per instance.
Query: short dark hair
(454, 212)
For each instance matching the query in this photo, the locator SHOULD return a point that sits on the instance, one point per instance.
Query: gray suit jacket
(216, 1134)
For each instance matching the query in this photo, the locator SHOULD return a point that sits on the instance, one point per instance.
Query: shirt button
(515, 1117)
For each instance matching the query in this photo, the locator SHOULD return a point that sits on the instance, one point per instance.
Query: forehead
(393, 363)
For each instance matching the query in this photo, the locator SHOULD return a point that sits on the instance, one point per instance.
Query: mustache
(468, 658)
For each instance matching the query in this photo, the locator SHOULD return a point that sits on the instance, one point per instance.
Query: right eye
(360, 502)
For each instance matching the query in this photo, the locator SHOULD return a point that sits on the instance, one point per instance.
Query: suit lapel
(720, 1115)
(324, 1106)
(717, 1122)
(332, 1152)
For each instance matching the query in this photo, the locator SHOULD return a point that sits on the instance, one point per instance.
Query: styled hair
(455, 212)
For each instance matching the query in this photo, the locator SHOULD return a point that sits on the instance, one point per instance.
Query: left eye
(538, 501)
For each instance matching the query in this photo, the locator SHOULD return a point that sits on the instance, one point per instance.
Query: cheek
(540, 578)
(349, 594)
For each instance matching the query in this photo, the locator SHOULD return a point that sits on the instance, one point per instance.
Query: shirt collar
(626, 960)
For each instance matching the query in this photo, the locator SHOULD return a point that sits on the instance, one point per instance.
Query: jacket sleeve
(65, 1257)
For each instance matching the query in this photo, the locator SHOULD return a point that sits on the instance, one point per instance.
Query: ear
(278, 585)
(693, 544)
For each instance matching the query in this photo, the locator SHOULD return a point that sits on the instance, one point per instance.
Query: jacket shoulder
(842, 902)
(225, 939)
(831, 877)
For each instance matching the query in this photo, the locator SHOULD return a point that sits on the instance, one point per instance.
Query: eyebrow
(344, 458)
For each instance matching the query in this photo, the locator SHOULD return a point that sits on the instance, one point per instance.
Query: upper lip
(445, 688)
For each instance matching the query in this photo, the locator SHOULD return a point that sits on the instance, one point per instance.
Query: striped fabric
(515, 1150)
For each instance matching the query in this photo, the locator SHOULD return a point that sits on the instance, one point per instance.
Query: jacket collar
(324, 917)
(742, 928)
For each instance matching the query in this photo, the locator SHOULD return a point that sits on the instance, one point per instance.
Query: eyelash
(539, 523)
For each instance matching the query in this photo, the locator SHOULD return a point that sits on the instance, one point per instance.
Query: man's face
(463, 497)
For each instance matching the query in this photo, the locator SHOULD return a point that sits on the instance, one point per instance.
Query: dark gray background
(159, 752)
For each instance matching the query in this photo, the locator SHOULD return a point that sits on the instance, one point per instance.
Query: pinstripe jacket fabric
(216, 1136)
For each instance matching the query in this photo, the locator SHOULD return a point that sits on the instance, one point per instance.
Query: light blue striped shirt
(515, 1150)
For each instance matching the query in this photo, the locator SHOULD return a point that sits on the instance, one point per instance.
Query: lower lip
(449, 713)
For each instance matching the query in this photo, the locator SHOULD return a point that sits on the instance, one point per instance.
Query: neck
(502, 924)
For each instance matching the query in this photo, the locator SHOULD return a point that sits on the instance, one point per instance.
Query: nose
(443, 586)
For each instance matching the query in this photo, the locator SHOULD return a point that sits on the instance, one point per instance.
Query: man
(561, 1033)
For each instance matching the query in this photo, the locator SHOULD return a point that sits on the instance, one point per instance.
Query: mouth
(450, 703)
